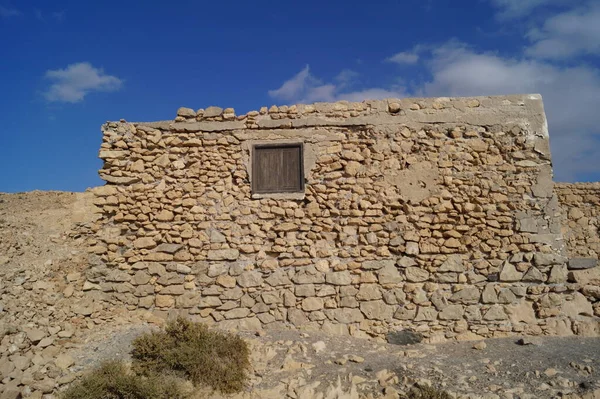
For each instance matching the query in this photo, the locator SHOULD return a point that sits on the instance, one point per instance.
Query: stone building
(438, 215)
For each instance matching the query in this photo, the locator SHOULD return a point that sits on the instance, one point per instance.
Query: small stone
(356, 359)
(165, 216)
(186, 112)
(63, 361)
(529, 341)
(319, 346)
(551, 372)
(394, 107)
(144, 242)
(35, 335)
(480, 346)
(212, 112)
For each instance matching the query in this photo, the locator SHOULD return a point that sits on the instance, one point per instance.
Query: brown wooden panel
(277, 168)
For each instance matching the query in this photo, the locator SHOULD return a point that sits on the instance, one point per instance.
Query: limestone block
(277, 278)
(558, 274)
(345, 315)
(468, 295)
(368, 292)
(494, 313)
(389, 275)
(338, 278)
(164, 301)
(165, 216)
(582, 263)
(426, 314)
(238, 313)
(377, 310)
(405, 314)
(522, 313)
(578, 305)
(186, 112)
(312, 304)
(377, 264)
(454, 263)
(250, 279)
(452, 312)
(509, 273)
(416, 274)
(212, 112)
(223, 254)
(533, 275)
(297, 317)
(209, 302)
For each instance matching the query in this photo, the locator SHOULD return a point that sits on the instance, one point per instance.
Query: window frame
(276, 145)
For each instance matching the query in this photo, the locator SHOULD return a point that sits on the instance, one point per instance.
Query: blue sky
(68, 66)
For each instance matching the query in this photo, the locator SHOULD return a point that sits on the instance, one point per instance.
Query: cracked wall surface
(437, 215)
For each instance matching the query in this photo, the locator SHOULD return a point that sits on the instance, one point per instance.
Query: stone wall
(581, 227)
(431, 214)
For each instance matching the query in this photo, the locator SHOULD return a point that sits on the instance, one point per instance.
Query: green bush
(192, 351)
(425, 392)
(113, 380)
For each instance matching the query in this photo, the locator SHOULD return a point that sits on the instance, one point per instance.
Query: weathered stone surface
(212, 112)
(410, 209)
(223, 254)
(338, 278)
(389, 274)
(297, 317)
(144, 242)
(250, 279)
(377, 264)
(467, 295)
(454, 263)
(582, 263)
(416, 274)
(533, 275)
(495, 312)
(369, 292)
(509, 273)
(451, 312)
(186, 112)
(312, 304)
(376, 310)
(345, 315)
(578, 305)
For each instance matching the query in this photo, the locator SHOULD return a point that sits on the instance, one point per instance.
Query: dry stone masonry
(581, 202)
(437, 215)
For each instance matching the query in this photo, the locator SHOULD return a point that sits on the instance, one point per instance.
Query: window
(277, 168)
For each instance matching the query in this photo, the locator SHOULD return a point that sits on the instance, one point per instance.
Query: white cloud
(510, 9)
(404, 57)
(306, 88)
(347, 77)
(74, 82)
(571, 96)
(7, 12)
(58, 16)
(568, 34)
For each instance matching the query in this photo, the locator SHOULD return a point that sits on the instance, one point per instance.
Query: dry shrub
(425, 392)
(192, 351)
(113, 380)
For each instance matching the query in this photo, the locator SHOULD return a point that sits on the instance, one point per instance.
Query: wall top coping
(480, 111)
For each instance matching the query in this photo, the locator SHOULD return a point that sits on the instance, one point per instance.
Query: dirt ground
(42, 267)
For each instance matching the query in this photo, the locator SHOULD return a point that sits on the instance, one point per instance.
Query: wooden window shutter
(277, 168)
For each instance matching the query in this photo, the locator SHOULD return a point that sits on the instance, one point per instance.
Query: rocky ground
(51, 332)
